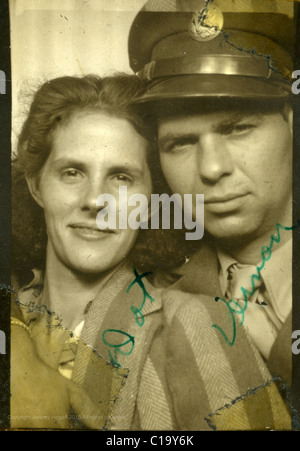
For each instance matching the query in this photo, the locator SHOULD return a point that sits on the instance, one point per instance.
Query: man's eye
(243, 128)
(181, 144)
(238, 129)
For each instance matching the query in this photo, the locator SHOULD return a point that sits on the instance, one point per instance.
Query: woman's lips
(90, 232)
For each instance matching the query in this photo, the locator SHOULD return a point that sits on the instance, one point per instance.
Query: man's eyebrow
(231, 118)
(171, 138)
(234, 118)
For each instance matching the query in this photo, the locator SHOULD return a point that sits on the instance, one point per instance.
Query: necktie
(260, 319)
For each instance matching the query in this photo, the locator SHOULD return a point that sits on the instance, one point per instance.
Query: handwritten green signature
(139, 318)
(233, 307)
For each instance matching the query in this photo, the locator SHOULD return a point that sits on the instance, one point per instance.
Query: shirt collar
(277, 276)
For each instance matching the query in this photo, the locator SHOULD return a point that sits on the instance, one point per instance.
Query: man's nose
(214, 158)
(92, 190)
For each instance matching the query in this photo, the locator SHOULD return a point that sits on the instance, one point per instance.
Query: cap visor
(220, 86)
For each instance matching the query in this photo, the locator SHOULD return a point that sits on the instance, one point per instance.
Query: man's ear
(33, 185)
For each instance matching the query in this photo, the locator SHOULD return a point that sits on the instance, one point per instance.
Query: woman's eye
(71, 174)
(122, 178)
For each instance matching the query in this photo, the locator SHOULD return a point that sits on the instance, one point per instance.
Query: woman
(82, 138)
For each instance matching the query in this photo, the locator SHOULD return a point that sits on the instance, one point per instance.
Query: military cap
(214, 48)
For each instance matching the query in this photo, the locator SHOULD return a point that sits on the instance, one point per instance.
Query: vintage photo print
(151, 220)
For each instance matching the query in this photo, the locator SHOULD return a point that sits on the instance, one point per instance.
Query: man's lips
(225, 203)
(224, 198)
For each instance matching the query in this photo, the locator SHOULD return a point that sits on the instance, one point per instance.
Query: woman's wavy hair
(53, 103)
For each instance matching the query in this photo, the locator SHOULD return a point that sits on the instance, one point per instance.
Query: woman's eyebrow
(126, 168)
(63, 161)
(111, 168)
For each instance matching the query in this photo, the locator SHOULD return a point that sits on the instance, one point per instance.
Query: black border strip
(5, 210)
(296, 240)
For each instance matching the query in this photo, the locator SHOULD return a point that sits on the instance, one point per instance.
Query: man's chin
(233, 234)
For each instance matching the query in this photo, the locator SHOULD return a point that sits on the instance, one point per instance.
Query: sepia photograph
(154, 220)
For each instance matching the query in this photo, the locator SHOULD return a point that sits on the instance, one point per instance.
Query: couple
(83, 137)
(140, 329)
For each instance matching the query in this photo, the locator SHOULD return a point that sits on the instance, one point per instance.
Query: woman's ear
(33, 186)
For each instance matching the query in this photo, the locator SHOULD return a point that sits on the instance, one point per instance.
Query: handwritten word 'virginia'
(233, 307)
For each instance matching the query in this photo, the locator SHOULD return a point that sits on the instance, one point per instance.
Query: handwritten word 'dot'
(124, 348)
(139, 317)
(296, 344)
(2, 342)
(139, 216)
(111, 336)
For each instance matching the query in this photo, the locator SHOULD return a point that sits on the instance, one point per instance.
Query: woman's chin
(92, 265)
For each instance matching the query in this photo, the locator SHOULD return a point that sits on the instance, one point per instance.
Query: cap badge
(206, 24)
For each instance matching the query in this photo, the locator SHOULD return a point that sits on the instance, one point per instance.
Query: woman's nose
(94, 187)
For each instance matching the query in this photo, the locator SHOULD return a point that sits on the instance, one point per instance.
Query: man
(219, 90)
(104, 306)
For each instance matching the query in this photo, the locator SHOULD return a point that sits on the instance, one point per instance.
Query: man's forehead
(217, 115)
